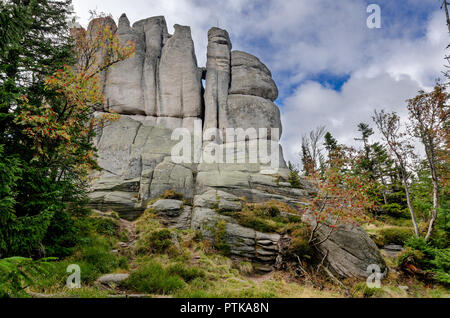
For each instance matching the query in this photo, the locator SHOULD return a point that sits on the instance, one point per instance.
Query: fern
(18, 273)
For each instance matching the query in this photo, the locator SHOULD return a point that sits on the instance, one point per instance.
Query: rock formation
(160, 89)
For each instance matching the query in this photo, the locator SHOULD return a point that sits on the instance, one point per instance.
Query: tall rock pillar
(179, 77)
(218, 76)
(155, 33)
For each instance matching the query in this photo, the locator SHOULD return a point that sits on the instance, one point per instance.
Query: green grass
(266, 217)
(151, 277)
(186, 272)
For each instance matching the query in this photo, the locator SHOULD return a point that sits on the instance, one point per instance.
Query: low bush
(428, 258)
(395, 210)
(266, 217)
(159, 241)
(300, 245)
(153, 278)
(362, 290)
(394, 235)
(220, 238)
(95, 258)
(171, 194)
(186, 272)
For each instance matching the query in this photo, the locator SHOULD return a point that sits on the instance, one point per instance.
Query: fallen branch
(333, 278)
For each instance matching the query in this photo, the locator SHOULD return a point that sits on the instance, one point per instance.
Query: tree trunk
(408, 201)
(447, 15)
(435, 207)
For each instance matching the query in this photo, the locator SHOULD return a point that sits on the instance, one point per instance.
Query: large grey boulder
(168, 207)
(132, 156)
(249, 76)
(220, 200)
(179, 76)
(349, 250)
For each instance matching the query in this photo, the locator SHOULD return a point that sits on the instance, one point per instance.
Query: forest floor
(182, 264)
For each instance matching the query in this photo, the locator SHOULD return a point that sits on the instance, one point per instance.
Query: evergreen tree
(35, 43)
(46, 124)
(294, 177)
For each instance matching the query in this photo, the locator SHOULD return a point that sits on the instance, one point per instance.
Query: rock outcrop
(159, 90)
(218, 76)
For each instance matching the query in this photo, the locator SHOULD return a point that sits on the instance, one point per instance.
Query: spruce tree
(35, 42)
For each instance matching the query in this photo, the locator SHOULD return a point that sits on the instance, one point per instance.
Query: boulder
(170, 176)
(249, 76)
(241, 241)
(112, 278)
(220, 200)
(167, 207)
(92, 31)
(349, 250)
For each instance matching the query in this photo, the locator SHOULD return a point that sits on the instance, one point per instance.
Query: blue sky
(329, 67)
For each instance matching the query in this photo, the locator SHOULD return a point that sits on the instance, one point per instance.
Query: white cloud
(402, 67)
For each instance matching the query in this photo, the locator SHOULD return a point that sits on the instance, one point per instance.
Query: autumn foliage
(342, 196)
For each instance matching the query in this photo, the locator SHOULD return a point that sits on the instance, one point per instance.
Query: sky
(330, 68)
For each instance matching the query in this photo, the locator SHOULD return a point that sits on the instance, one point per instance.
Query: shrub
(171, 194)
(395, 235)
(18, 272)
(367, 292)
(61, 236)
(153, 278)
(250, 220)
(429, 258)
(220, 236)
(395, 210)
(159, 241)
(300, 245)
(185, 272)
(95, 258)
(106, 226)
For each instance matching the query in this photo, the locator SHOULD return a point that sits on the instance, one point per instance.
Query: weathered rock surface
(159, 90)
(242, 241)
(218, 76)
(154, 31)
(112, 278)
(123, 90)
(168, 206)
(349, 250)
(251, 77)
(179, 76)
(247, 111)
(92, 31)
